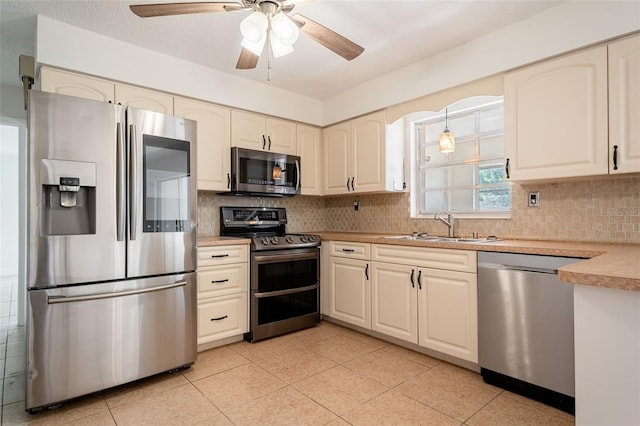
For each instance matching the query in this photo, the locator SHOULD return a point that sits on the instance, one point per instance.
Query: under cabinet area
(223, 287)
(350, 291)
(424, 296)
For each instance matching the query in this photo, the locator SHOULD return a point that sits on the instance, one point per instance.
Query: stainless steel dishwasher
(525, 326)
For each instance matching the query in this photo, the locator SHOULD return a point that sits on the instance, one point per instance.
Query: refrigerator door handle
(121, 202)
(133, 183)
(83, 298)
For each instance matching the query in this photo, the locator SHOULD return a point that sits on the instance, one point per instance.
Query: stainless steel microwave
(264, 173)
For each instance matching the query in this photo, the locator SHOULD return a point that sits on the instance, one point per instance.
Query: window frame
(413, 121)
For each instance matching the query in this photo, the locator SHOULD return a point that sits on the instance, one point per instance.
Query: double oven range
(284, 270)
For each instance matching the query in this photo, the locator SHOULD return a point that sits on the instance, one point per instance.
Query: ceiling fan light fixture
(254, 27)
(284, 29)
(277, 47)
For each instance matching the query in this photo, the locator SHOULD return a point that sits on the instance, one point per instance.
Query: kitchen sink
(422, 237)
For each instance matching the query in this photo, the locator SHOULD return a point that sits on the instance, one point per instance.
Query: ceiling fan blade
(247, 60)
(328, 38)
(166, 9)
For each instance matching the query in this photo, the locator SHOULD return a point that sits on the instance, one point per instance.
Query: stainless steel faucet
(449, 221)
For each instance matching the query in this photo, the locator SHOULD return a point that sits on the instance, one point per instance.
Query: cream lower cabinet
(350, 290)
(223, 289)
(426, 296)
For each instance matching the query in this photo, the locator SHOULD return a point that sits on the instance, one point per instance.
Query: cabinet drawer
(449, 259)
(221, 317)
(350, 249)
(222, 255)
(223, 279)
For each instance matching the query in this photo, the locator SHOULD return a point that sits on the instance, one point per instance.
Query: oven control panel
(288, 241)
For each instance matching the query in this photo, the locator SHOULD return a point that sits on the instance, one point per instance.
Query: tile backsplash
(604, 209)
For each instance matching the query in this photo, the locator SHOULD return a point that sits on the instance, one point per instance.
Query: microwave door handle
(121, 206)
(297, 175)
(133, 183)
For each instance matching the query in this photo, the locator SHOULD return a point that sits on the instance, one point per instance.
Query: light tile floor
(323, 375)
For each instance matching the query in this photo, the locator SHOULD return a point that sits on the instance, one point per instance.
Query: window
(469, 181)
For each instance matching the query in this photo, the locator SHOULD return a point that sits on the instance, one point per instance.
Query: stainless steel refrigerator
(112, 246)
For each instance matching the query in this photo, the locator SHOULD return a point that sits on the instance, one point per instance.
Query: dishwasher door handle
(517, 268)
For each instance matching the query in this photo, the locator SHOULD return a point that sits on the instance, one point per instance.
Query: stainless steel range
(285, 270)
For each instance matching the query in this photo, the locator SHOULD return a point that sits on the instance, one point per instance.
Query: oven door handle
(285, 255)
(285, 292)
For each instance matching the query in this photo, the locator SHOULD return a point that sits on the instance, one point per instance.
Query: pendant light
(447, 138)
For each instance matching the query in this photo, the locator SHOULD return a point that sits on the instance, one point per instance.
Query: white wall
(65, 46)
(557, 30)
(607, 347)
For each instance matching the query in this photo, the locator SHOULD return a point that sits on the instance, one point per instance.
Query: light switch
(534, 199)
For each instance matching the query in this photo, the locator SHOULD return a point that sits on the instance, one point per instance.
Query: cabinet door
(281, 136)
(394, 304)
(221, 317)
(556, 117)
(214, 141)
(624, 104)
(350, 292)
(66, 83)
(248, 130)
(310, 152)
(367, 152)
(146, 99)
(448, 313)
(337, 158)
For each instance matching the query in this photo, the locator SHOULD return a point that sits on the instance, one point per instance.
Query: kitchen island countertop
(615, 266)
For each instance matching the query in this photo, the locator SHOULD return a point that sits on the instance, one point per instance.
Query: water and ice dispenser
(68, 197)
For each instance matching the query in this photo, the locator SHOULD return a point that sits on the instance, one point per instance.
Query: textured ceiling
(394, 33)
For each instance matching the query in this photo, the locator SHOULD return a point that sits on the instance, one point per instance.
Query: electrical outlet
(356, 205)
(534, 199)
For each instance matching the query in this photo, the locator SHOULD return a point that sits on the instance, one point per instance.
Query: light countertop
(614, 266)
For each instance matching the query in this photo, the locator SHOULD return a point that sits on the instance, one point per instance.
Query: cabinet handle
(615, 157)
(413, 283)
(264, 142)
(228, 181)
(420, 280)
(348, 179)
(226, 280)
(353, 179)
(269, 138)
(366, 272)
(506, 168)
(219, 255)
(348, 250)
(219, 318)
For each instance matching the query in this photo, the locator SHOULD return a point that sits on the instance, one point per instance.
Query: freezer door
(82, 339)
(162, 198)
(76, 191)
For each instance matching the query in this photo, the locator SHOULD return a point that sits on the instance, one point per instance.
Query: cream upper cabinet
(337, 157)
(214, 141)
(138, 97)
(556, 117)
(367, 152)
(310, 152)
(354, 155)
(624, 105)
(255, 131)
(71, 84)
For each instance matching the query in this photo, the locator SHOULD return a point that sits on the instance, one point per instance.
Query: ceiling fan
(269, 23)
